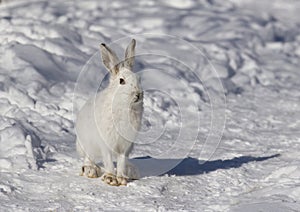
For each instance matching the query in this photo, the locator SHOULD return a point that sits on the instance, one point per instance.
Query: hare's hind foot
(122, 181)
(110, 179)
(92, 171)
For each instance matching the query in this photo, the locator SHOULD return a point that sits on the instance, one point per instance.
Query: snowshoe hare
(108, 123)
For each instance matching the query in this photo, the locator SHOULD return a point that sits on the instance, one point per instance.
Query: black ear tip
(103, 44)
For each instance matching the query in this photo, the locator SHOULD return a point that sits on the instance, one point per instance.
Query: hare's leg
(90, 169)
(109, 177)
(121, 169)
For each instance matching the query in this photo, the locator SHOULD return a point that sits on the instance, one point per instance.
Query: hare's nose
(139, 95)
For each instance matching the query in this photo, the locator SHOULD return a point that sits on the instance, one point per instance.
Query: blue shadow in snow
(149, 166)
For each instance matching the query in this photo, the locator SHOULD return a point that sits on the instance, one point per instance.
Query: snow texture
(254, 47)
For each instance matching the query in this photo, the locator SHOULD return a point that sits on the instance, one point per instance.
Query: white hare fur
(108, 123)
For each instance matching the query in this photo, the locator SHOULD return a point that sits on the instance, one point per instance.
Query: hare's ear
(109, 59)
(129, 55)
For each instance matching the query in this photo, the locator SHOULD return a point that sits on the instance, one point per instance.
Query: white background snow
(255, 49)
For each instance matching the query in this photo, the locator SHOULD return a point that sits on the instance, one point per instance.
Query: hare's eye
(122, 81)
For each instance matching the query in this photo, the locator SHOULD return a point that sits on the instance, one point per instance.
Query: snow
(221, 129)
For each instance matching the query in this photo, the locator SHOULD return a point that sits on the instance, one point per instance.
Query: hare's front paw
(122, 180)
(91, 171)
(110, 179)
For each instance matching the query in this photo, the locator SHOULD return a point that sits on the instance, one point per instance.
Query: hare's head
(124, 82)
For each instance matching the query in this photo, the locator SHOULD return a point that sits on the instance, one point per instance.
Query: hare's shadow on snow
(149, 166)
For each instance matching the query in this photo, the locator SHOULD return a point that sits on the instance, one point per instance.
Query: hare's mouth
(136, 99)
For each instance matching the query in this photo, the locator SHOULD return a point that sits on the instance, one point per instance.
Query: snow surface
(50, 65)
